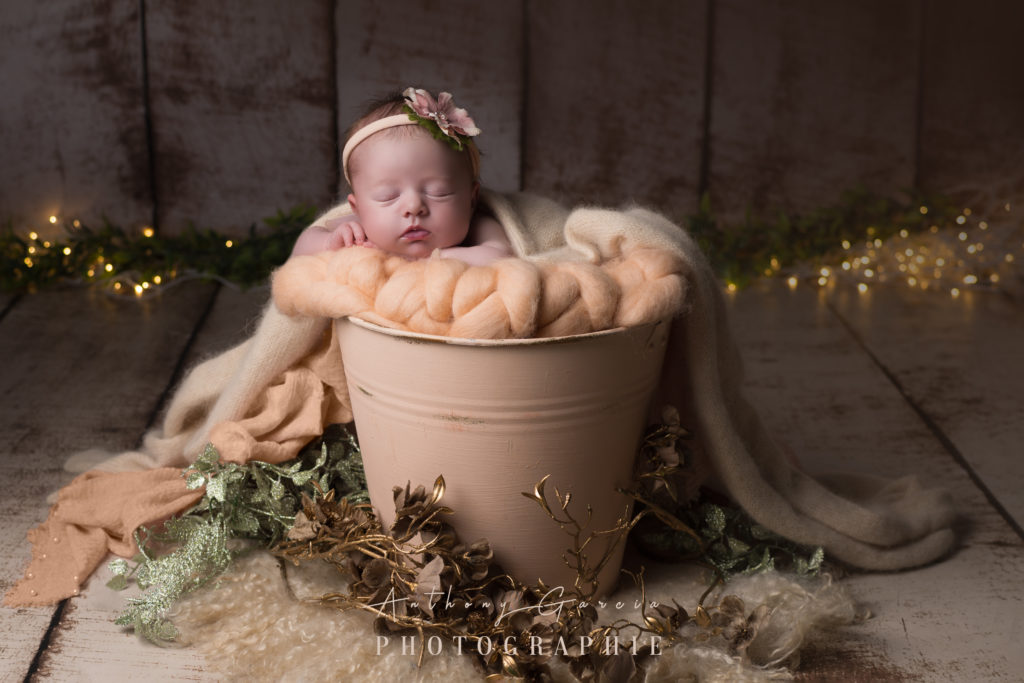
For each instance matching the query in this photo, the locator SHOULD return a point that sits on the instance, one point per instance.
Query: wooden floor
(892, 381)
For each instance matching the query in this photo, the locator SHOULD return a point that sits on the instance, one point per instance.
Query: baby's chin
(417, 250)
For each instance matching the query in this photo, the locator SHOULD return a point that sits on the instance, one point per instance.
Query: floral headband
(440, 117)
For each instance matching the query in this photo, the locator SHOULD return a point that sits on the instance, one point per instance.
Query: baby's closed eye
(439, 190)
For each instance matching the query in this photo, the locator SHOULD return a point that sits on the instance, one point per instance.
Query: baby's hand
(345, 233)
(331, 235)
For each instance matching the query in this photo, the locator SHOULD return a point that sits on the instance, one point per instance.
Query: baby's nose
(414, 205)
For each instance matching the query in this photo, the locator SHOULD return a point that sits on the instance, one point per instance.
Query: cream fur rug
(255, 625)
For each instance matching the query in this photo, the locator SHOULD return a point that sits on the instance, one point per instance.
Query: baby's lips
(415, 232)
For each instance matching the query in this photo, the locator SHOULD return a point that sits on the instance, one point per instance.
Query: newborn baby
(414, 173)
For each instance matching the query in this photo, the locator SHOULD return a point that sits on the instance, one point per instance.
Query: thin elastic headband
(368, 130)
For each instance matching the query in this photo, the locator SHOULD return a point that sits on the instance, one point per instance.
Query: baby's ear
(352, 202)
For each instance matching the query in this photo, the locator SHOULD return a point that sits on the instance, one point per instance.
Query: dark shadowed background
(152, 112)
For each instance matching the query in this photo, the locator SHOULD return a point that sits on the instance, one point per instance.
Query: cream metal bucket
(496, 416)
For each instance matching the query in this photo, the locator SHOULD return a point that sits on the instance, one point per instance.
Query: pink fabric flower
(452, 120)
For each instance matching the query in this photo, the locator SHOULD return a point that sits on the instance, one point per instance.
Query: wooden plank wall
(221, 113)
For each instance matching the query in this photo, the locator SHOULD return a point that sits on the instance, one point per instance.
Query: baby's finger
(358, 234)
(346, 231)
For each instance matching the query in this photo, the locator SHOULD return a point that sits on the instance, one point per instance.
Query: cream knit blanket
(580, 270)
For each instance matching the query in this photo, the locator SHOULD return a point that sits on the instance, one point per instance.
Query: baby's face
(412, 194)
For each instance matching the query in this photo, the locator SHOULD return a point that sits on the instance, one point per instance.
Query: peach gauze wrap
(579, 270)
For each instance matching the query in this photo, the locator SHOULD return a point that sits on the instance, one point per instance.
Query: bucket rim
(471, 341)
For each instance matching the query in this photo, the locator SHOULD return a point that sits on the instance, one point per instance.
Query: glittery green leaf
(118, 583)
(302, 478)
(277, 489)
(208, 459)
(245, 525)
(736, 546)
(216, 488)
(715, 519)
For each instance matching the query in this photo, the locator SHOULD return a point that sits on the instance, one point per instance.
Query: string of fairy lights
(142, 262)
(968, 251)
(973, 252)
(131, 282)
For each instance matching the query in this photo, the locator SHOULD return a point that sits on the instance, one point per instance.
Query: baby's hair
(377, 109)
(389, 105)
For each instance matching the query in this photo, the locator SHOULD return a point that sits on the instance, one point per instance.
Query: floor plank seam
(179, 367)
(44, 642)
(932, 426)
(10, 305)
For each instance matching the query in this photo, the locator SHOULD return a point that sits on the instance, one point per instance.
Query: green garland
(132, 262)
(762, 245)
(121, 260)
